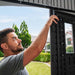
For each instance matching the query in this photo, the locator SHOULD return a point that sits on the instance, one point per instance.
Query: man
(15, 59)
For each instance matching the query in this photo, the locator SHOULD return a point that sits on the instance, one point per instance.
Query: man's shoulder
(11, 58)
(5, 59)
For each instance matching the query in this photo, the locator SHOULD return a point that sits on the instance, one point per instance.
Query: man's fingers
(52, 19)
(55, 21)
(57, 18)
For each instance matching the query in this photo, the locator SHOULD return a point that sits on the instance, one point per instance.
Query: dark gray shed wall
(63, 4)
(66, 4)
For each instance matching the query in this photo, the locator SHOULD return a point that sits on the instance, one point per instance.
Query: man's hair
(3, 36)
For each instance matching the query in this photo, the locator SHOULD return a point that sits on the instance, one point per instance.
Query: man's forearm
(41, 39)
(36, 47)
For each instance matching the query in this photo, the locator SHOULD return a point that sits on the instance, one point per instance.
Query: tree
(1, 54)
(23, 34)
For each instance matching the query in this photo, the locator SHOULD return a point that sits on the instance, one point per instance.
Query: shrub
(43, 57)
(69, 49)
(43, 51)
(1, 54)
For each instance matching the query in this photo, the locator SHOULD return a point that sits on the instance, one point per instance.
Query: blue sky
(34, 17)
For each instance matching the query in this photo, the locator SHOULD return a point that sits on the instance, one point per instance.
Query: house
(45, 47)
(69, 38)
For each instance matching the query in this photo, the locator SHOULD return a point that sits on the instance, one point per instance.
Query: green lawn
(37, 68)
(1, 58)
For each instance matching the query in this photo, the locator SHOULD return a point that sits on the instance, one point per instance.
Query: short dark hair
(3, 35)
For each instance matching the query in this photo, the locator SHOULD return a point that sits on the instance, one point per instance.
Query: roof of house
(34, 37)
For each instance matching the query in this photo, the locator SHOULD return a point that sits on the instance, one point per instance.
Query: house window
(69, 41)
(69, 38)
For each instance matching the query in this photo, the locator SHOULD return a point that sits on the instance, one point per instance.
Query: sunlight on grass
(49, 63)
(1, 58)
(37, 68)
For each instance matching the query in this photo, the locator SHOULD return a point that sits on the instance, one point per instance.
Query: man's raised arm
(37, 46)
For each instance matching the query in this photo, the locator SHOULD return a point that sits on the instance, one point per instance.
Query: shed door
(63, 45)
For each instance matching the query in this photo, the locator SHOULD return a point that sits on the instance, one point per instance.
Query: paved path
(44, 63)
(48, 64)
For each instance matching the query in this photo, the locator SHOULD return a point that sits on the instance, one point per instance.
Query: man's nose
(19, 40)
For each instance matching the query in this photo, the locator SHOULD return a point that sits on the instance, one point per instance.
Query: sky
(34, 17)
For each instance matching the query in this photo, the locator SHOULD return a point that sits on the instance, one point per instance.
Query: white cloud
(39, 9)
(6, 20)
(45, 17)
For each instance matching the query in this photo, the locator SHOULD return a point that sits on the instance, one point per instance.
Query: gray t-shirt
(13, 65)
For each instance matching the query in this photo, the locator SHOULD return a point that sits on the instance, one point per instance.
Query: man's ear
(4, 46)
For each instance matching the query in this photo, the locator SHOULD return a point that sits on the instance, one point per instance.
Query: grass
(1, 58)
(37, 68)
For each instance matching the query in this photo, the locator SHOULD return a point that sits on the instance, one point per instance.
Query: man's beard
(17, 51)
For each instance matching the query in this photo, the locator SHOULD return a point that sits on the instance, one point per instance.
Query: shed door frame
(58, 47)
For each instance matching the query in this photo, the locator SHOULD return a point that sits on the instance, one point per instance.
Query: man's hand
(52, 19)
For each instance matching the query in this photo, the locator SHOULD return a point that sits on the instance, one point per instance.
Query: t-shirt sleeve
(13, 63)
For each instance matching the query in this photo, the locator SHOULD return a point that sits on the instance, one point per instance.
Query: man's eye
(14, 38)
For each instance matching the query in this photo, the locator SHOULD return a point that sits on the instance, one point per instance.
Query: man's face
(14, 43)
